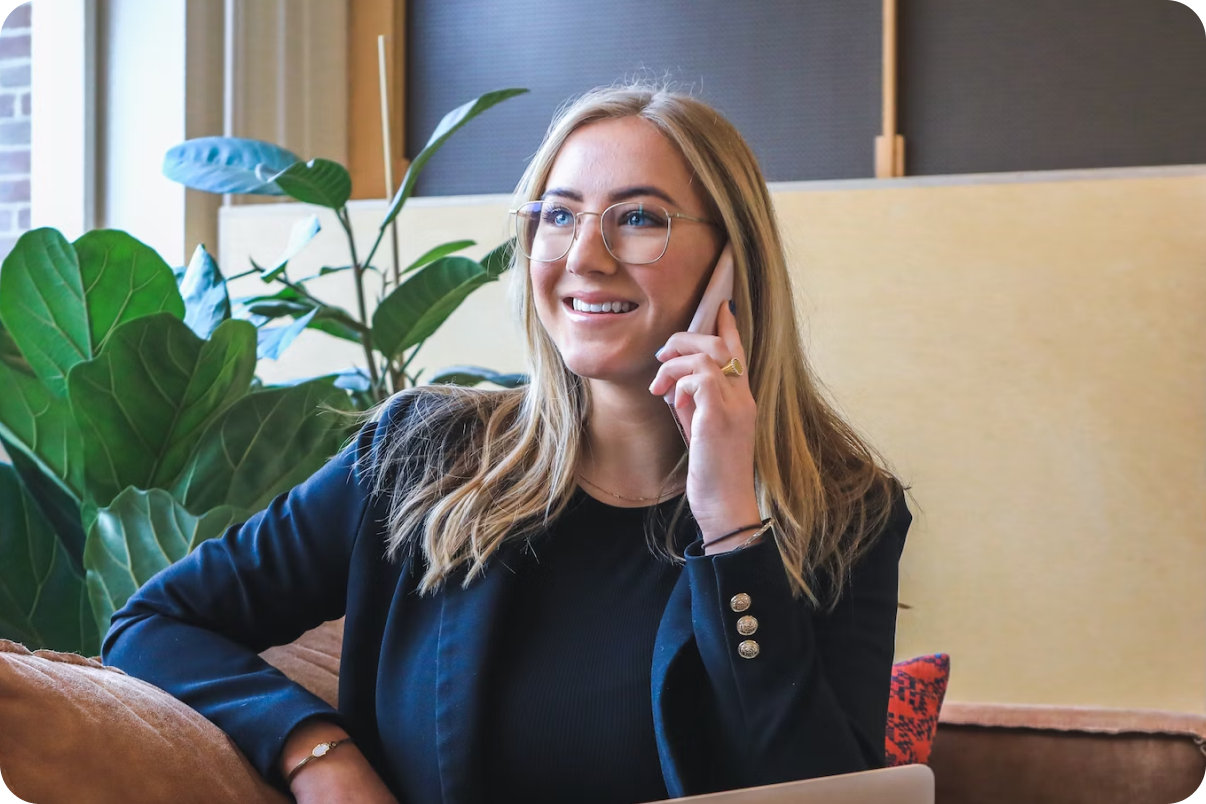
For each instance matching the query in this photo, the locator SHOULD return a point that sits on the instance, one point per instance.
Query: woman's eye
(557, 216)
(641, 218)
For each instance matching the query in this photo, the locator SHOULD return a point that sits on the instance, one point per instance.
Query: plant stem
(366, 339)
(413, 352)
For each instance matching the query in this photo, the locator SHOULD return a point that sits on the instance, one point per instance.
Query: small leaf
(319, 181)
(144, 403)
(263, 445)
(271, 342)
(226, 165)
(324, 271)
(417, 308)
(302, 233)
(472, 375)
(447, 127)
(43, 602)
(136, 536)
(206, 302)
(437, 252)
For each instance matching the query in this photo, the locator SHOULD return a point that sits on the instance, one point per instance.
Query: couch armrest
(998, 753)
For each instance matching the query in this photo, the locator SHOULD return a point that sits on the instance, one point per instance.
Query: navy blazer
(813, 702)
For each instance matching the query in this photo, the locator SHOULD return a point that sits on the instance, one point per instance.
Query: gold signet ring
(733, 368)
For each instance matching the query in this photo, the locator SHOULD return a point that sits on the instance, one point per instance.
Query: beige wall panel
(1032, 358)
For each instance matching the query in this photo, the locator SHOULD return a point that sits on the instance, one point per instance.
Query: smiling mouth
(605, 308)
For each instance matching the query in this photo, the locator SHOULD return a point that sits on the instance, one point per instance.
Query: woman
(547, 596)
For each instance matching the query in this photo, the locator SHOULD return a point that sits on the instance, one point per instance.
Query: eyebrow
(619, 195)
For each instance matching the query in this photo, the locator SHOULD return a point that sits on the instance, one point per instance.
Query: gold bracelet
(319, 751)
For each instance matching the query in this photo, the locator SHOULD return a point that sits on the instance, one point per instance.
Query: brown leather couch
(1007, 754)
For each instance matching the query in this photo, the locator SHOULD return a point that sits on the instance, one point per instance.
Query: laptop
(908, 784)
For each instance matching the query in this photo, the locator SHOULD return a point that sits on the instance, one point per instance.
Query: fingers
(673, 371)
(688, 343)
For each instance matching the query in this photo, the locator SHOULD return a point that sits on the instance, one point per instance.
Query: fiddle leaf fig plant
(130, 411)
(130, 415)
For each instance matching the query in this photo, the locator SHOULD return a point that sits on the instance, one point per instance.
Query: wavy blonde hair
(490, 466)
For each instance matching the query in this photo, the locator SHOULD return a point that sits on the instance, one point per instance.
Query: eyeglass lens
(633, 232)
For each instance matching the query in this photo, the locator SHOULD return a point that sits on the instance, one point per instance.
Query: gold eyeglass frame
(670, 216)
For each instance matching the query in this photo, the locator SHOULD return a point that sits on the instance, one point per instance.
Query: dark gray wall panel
(801, 80)
(1004, 85)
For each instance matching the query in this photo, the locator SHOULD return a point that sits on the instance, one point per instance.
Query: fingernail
(732, 307)
(658, 353)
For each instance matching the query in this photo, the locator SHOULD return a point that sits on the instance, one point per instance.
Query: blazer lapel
(467, 624)
(674, 634)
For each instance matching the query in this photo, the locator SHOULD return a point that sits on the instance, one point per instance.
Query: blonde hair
(489, 466)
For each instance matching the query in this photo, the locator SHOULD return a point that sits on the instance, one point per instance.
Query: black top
(568, 704)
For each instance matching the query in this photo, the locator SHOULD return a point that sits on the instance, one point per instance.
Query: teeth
(605, 307)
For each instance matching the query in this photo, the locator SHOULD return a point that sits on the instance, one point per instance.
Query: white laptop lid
(909, 784)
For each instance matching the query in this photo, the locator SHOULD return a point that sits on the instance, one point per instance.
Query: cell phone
(719, 289)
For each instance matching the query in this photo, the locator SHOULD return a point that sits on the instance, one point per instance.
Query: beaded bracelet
(762, 526)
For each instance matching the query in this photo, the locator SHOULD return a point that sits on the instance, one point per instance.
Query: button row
(746, 625)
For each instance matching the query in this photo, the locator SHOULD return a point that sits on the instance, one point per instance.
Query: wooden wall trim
(367, 19)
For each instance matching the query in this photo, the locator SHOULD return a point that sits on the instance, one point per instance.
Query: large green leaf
(416, 308)
(319, 181)
(124, 279)
(42, 305)
(144, 403)
(136, 536)
(39, 422)
(263, 445)
(43, 602)
(206, 302)
(227, 165)
(61, 302)
(447, 127)
(58, 506)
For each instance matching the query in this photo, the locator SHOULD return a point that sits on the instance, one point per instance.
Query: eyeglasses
(633, 232)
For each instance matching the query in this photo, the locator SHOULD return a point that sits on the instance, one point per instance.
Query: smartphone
(719, 289)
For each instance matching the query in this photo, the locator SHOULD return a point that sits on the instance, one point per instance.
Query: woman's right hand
(342, 777)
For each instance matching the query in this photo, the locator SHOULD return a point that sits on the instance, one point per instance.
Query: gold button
(747, 625)
(748, 649)
(740, 602)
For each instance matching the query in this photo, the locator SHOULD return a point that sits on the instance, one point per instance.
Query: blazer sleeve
(196, 628)
(814, 700)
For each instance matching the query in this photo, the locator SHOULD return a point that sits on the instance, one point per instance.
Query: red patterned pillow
(918, 687)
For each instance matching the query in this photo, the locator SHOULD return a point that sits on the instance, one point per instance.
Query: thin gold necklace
(629, 499)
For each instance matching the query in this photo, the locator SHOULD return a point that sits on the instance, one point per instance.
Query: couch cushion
(1004, 753)
(915, 701)
(73, 730)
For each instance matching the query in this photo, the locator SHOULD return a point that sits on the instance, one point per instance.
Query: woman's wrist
(731, 522)
(301, 741)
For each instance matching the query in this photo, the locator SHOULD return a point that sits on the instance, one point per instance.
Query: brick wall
(14, 127)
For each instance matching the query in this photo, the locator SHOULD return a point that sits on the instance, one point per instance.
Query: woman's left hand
(717, 413)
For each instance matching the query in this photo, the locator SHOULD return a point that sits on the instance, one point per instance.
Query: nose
(588, 253)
